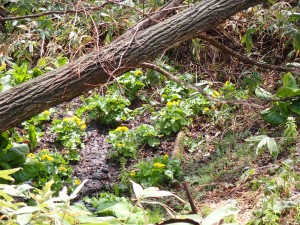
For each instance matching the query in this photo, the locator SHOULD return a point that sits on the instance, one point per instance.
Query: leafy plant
(123, 143)
(20, 74)
(47, 209)
(173, 92)
(117, 209)
(110, 109)
(280, 111)
(198, 103)
(129, 84)
(69, 131)
(269, 213)
(229, 91)
(146, 133)
(14, 156)
(252, 81)
(172, 118)
(53, 167)
(158, 171)
(264, 140)
(290, 132)
(33, 128)
(247, 39)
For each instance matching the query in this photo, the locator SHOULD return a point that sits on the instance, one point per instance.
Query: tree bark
(28, 99)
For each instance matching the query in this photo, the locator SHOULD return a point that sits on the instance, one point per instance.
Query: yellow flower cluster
(62, 168)
(166, 156)
(132, 173)
(138, 73)
(67, 119)
(77, 120)
(159, 165)
(77, 182)
(121, 129)
(31, 155)
(47, 158)
(173, 103)
(216, 94)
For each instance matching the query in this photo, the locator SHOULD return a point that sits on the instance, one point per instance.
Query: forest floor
(214, 163)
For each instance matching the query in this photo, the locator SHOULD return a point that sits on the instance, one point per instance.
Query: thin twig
(189, 196)
(245, 59)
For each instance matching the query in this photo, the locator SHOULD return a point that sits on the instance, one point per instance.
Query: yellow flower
(206, 109)
(62, 168)
(47, 157)
(46, 112)
(77, 120)
(83, 126)
(166, 156)
(173, 103)
(132, 173)
(31, 155)
(216, 94)
(77, 182)
(159, 165)
(120, 145)
(226, 83)
(67, 119)
(138, 73)
(121, 129)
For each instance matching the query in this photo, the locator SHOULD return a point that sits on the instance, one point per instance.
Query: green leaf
(41, 63)
(272, 146)
(273, 116)
(4, 141)
(32, 137)
(4, 174)
(30, 170)
(195, 217)
(6, 196)
(283, 108)
(247, 39)
(262, 93)
(256, 138)
(14, 157)
(24, 219)
(287, 92)
(265, 140)
(295, 107)
(289, 81)
(2, 67)
(294, 17)
(60, 61)
(220, 213)
(27, 210)
(169, 174)
(138, 189)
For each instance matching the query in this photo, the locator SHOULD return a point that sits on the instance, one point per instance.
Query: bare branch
(251, 102)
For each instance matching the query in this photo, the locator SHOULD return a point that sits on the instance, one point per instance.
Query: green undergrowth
(225, 165)
(37, 186)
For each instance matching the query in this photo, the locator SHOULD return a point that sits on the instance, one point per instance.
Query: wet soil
(94, 164)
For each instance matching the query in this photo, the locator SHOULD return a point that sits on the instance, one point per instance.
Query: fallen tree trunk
(28, 99)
